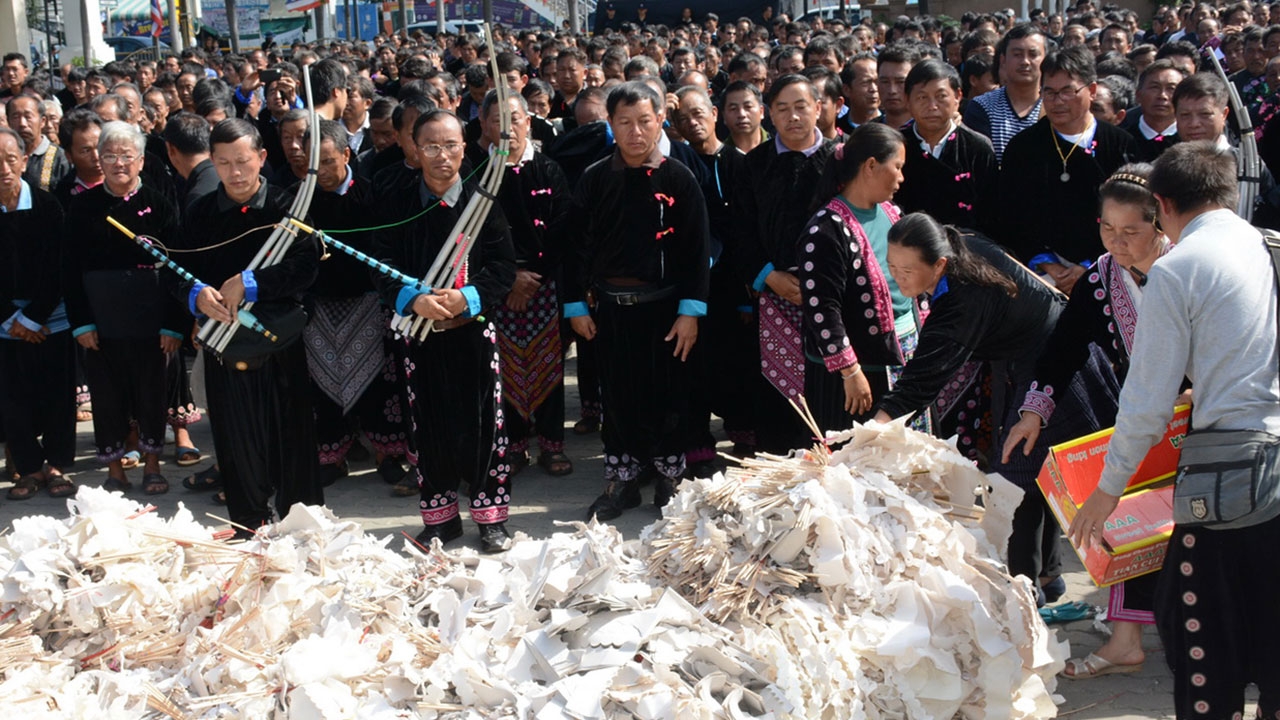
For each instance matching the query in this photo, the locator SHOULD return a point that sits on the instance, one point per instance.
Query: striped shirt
(992, 115)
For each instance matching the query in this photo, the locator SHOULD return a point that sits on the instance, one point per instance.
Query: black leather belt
(634, 295)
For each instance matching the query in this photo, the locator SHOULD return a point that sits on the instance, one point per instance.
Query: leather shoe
(663, 491)
(618, 496)
(446, 531)
(494, 538)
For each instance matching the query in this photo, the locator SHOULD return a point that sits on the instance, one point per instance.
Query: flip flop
(117, 485)
(154, 484)
(1094, 666)
(186, 456)
(1067, 612)
(131, 460)
(207, 479)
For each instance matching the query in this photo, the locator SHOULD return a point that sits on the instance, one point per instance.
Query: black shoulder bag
(1230, 478)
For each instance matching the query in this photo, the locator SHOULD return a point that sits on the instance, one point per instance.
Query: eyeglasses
(113, 159)
(436, 150)
(1065, 94)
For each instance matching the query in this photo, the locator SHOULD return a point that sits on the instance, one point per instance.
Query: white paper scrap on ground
(863, 583)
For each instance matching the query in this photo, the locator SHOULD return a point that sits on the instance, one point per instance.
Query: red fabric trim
(870, 263)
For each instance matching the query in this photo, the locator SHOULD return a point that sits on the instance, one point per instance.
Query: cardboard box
(1135, 539)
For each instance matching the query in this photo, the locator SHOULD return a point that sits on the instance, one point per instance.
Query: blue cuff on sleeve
(1042, 259)
(746, 308)
(28, 323)
(575, 309)
(758, 285)
(171, 333)
(405, 299)
(191, 298)
(692, 308)
(1086, 264)
(250, 286)
(240, 96)
(76, 332)
(473, 300)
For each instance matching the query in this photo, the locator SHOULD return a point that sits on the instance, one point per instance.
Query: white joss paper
(861, 584)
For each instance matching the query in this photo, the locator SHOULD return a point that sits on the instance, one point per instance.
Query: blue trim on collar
(941, 288)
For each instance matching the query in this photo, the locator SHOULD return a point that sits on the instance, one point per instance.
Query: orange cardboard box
(1135, 539)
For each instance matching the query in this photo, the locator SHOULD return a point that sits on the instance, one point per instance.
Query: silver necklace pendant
(1065, 176)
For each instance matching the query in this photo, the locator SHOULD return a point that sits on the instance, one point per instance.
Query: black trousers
(588, 374)
(264, 435)
(380, 413)
(1034, 549)
(547, 422)
(725, 362)
(181, 404)
(37, 402)
(455, 401)
(645, 390)
(1219, 619)
(127, 379)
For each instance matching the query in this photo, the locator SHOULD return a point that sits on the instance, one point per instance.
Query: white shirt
(1151, 133)
(1208, 313)
(934, 150)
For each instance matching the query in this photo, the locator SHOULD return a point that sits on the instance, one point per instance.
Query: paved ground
(541, 501)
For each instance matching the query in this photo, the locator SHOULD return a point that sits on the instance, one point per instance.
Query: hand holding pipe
(245, 317)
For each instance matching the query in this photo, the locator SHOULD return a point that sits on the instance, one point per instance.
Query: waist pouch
(1227, 479)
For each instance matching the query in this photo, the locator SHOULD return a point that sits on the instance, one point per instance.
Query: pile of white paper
(860, 585)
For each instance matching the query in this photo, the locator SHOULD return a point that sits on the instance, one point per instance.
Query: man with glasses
(1051, 173)
(454, 394)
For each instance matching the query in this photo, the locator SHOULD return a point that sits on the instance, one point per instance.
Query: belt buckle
(628, 300)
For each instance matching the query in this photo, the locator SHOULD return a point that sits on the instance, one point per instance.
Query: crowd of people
(953, 223)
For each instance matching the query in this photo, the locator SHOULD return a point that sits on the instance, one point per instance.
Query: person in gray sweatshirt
(1208, 313)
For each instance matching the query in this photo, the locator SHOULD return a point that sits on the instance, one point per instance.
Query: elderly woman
(118, 310)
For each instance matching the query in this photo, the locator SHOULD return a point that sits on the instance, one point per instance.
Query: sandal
(1067, 612)
(154, 484)
(220, 497)
(186, 456)
(25, 488)
(586, 426)
(84, 413)
(519, 462)
(207, 479)
(59, 486)
(117, 485)
(131, 460)
(408, 486)
(557, 464)
(1094, 666)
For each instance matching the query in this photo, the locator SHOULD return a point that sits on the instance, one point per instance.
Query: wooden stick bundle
(216, 335)
(450, 262)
